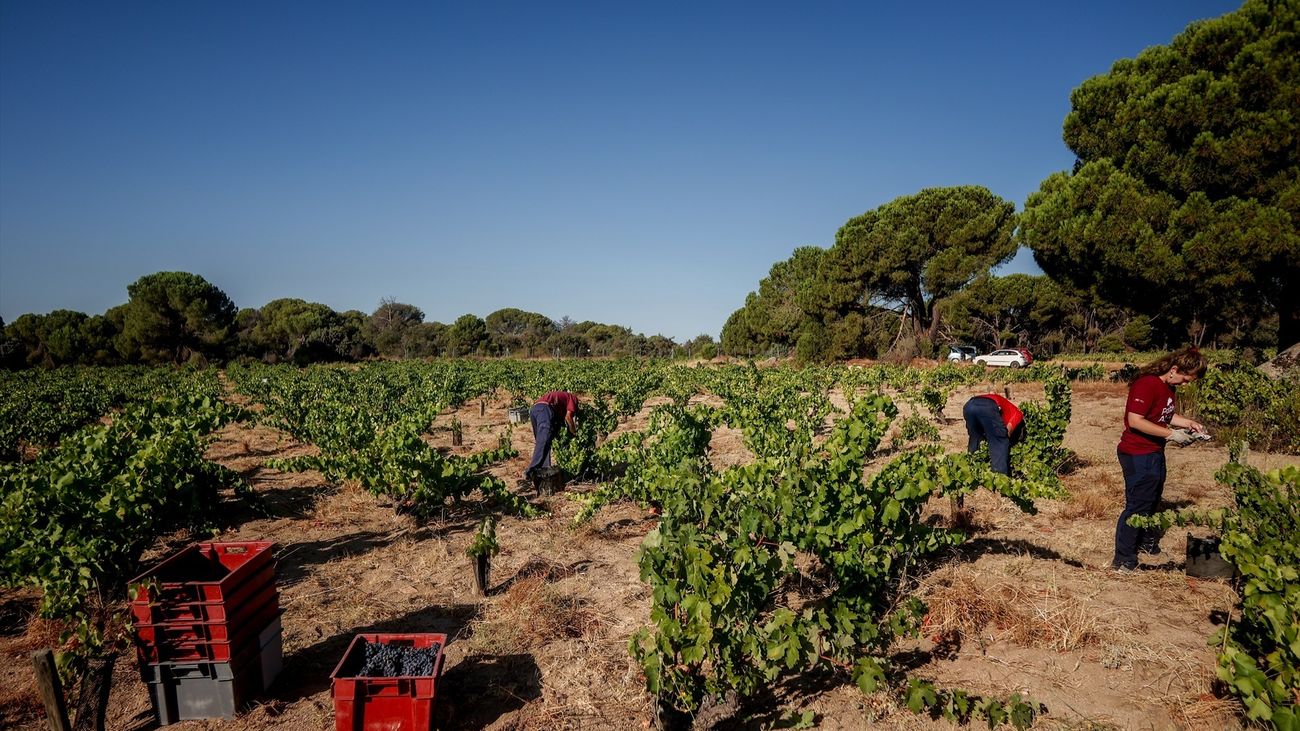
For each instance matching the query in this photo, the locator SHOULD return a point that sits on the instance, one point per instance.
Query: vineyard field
(1027, 605)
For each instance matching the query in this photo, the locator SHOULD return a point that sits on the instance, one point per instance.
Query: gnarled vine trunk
(92, 698)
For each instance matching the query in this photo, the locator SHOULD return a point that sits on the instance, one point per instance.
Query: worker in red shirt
(1151, 421)
(993, 419)
(551, 410)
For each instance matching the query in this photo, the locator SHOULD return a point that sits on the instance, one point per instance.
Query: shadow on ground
(307, 671)
(977, 547)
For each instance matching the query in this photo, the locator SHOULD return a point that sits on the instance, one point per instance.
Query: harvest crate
(254, 592)
(244, 637)
(385, 703)
(181, 691)
(178, 634)
(204, 572)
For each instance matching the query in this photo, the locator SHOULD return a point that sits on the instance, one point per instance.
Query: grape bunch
(391, 661)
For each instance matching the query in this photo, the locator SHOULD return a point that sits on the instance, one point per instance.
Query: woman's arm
(1138, 422)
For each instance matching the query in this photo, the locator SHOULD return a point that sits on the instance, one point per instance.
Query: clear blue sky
(643, 166)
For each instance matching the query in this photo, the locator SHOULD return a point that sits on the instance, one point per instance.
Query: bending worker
(552, 409)
(992, 418)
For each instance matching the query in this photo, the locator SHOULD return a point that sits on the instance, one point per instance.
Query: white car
(958, 353)
(1006, 357)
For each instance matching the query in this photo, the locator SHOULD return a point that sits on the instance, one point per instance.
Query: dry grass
(349, 505)
(1200, 595)
(1089, 504)
(1203, 710)
(531, 614)
(1029, 615)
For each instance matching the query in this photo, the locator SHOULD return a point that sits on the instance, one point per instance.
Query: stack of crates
(207, 629)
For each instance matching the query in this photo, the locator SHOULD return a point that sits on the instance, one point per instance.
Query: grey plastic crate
(183, 691)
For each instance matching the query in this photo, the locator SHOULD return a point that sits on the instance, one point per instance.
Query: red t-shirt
(1011, 415)
(561, 401)
(1154, 400)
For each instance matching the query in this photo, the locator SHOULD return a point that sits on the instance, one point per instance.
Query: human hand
(1196, 426)
(1181, 437)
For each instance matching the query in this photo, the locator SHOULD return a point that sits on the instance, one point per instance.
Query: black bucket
(549, 480)
(1204, 560)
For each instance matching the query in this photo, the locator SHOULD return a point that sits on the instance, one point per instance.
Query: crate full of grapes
(388, 682)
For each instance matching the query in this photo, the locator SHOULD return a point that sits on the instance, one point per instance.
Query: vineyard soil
(1028, 605)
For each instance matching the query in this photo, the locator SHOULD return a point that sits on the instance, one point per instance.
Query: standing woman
(1150, 420)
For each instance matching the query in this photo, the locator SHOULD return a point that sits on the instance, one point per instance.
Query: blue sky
(637, 164)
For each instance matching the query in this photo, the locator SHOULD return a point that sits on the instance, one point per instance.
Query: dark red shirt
(1153, 399)
(560, 401)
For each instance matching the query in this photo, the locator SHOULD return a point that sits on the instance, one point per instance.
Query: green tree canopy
(775, 314)
(388, 324)
(300, 331)
(173, 316)
(51, 340)
(913, 252)
(517, 331)
(1018, 309)
(1185, 201)
(467, 335)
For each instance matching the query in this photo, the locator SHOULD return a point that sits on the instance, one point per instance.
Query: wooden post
(51, 691)
(1007, 390)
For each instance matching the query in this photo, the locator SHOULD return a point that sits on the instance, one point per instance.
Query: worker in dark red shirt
(551, 410)
(994, 419)
(1151, 421)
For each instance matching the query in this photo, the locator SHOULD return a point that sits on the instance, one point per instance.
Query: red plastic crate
(385, 704)
(204, 572)
(243, 637)
(185, 632)
(253, 593)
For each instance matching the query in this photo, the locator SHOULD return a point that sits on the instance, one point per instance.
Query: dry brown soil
(1028, 605)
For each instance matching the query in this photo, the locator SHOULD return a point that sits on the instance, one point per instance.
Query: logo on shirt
(1167, 413)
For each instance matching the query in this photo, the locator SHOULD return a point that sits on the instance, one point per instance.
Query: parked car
(1007, 357)
(962, 352)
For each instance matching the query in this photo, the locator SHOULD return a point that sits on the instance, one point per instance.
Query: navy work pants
(542, 419)
(984, 423)
(1144, 485)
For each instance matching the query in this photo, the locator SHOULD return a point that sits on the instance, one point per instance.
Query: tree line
(1179, 222)
(179, 317)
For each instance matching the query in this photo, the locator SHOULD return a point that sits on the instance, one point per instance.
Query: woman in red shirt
(553, 410)
(992, 418)
(1150, 419)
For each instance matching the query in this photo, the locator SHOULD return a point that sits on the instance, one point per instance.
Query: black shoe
(1123, 568)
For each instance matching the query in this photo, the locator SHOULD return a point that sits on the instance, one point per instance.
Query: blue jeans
(1144, 485)
(984, 423)
(542, 419)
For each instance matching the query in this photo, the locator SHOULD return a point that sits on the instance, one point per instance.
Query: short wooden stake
(51, 691)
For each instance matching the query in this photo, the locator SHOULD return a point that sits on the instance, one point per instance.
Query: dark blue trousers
(542, 420)
(1144, 485)
(984, 423)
